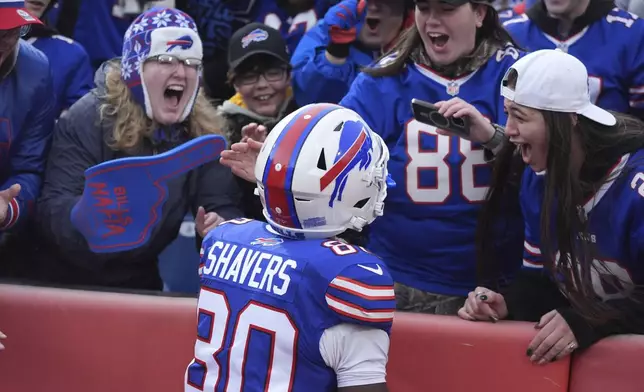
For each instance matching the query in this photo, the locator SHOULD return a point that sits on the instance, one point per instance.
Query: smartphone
(427, 113)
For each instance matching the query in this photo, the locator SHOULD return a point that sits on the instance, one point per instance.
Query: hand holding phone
(427, 113)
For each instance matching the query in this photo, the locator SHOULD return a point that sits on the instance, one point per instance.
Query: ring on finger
(572, 346)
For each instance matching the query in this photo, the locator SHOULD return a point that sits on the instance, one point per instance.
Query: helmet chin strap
(358, 223)
(377, 176)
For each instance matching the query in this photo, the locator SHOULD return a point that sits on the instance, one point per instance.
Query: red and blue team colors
(281, 15)
(293, 26)
(615, 229)
(266, 300)
(427, 233)
(27, 105)
(611, 48)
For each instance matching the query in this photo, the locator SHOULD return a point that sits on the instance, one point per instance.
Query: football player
(285, 305)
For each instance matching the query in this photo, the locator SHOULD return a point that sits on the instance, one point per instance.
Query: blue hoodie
(315, 79)
(26, 124)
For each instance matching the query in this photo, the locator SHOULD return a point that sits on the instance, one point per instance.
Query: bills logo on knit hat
(123, 199)
(13, 14)
(184, 43)
(154, 32)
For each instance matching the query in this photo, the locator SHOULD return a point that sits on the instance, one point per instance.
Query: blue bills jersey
(615, 231)
(612, 49)
(70, 67)
(265, 302)
(427, 233)
(274, 13)
(507, 14)
(292, 27)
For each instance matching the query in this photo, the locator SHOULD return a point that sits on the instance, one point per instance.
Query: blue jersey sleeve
(315, 79)
(366, 98)
(29, 154)
(636, 182)
(82, 78)
(531, 210)
(363, 294)
(506, 14)
(531, 251)
(510, 24)
(636, 69)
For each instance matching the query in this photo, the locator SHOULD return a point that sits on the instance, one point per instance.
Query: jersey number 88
(436, 160)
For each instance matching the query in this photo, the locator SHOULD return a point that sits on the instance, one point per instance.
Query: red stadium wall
(68, 341)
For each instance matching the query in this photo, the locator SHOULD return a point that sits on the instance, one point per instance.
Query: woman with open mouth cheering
(581, 174)
(456, 52)
(146, 103)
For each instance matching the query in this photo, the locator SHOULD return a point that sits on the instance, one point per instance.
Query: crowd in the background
(99, 80)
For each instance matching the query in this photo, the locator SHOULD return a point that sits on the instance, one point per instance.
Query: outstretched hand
(206, 221)
(241, 158)
(254, 131)
(6, 197)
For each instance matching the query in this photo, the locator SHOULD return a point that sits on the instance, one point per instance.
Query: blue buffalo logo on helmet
(184, 43)
(354, 149)
(257, 35)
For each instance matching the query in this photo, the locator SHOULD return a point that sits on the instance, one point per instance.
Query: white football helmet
(321, 171)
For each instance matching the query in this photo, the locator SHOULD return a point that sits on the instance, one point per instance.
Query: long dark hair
(566, 189)
(409, 40)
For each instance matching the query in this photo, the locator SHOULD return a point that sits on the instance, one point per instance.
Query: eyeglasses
(277, 74)
(173, 61)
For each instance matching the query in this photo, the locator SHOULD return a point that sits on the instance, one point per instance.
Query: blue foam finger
(123, 199)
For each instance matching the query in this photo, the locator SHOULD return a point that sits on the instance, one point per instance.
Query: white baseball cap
(556, 81)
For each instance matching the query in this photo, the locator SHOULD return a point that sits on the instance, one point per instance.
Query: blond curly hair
(132, 125)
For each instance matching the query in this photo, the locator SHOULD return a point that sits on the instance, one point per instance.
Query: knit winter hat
(154, 32)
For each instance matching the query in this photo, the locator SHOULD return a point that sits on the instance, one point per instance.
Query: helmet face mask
(322, 171)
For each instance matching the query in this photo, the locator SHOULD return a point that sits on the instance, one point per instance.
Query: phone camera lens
(439, 119)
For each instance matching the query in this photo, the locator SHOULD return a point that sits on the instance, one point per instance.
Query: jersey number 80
(218, 324)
